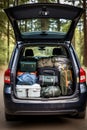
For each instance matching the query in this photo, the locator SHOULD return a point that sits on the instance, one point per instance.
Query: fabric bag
(66, 82)
(48, 76)
(44, 62)
(50, 91)
(61, 63)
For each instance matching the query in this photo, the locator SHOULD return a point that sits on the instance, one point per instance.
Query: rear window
(44, 24)
(43, 51)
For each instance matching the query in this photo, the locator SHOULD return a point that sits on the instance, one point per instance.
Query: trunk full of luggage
(47, 77)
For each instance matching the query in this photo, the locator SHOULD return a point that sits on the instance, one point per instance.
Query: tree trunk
(8, 38)
(85, 33)
(44, 22)
(74, 44)
(58, 21)
(16, 2)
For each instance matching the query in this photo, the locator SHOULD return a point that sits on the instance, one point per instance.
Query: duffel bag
(44, 62)
(48, 76)
(61, 63)
(46, 80)
(50, 91)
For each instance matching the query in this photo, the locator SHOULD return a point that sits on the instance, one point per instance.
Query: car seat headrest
(29, 52)
(57, 51)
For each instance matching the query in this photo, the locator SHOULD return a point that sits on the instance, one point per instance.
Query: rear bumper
(44, 107)
(17, 107)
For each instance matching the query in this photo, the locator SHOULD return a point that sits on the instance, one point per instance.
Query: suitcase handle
(49, 73)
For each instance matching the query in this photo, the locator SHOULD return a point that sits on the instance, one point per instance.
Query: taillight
(7, 76)
(82, 75)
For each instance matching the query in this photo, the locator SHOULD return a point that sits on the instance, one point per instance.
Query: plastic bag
(27, 79)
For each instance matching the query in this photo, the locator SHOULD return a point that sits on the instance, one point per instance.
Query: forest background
(7, 38)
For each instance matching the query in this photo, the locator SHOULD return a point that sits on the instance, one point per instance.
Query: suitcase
(27, 66)
(48, 76)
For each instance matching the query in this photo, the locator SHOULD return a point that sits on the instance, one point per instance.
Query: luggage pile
(49, 81)
(56, 72)
(51, 77)
(27, 80)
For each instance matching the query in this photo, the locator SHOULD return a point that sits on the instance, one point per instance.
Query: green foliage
(2, 52)
(79, 43)
(4, 49)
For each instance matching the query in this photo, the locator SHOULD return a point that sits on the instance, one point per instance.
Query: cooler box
(28, 91)
(28, 66)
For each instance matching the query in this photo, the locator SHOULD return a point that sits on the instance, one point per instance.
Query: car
(44, 75)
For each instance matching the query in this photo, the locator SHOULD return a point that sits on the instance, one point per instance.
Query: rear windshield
(43, 51)
(47, 24)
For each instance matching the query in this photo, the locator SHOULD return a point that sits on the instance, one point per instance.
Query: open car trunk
(44, 74)
(49, 76)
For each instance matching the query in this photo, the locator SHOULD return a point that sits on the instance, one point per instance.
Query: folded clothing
(26, 79)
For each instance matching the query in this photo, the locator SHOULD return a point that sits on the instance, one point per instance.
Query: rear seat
(57, 52)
